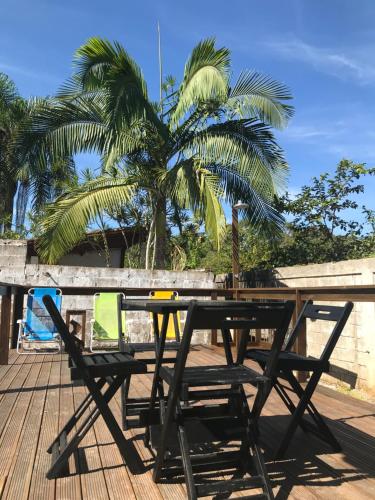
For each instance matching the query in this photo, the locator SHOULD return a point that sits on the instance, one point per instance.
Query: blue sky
(323, 50)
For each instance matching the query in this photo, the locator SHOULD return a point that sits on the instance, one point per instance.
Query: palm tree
(25, 173)
(13, 110)
(206, 141)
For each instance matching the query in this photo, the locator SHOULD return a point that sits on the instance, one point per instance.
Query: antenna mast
(160, 71)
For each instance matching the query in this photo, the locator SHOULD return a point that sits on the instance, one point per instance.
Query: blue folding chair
(37, 333)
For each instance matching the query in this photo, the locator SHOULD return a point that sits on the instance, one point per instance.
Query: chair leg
(321, 430)
(260, 467)
(298, 414)
(19, 343)
(72, 421)
(124, 398)
(251, 442)
(127, 449)
(61, 449)
(285, 398)
(186, 463)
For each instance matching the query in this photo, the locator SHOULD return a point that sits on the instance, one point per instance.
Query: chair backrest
(173, 330)
(106, 317)
(212, 314)
(38, 323)
(60, 325)
(337, 315)
(204, 315)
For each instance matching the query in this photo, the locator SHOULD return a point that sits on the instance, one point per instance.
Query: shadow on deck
(36, 397)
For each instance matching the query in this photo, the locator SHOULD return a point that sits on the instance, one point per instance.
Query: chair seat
(41, 336)
(108, 364)
(149, 346)
(214, 375)
(289, 360)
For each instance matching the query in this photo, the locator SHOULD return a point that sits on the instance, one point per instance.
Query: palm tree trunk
(7, 208)
(160, 232)
(150, 240)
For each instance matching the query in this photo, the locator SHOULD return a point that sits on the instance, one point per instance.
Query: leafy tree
(321, 229)
(13, 111)
(22, 174)
(205, 141)
(255, 250)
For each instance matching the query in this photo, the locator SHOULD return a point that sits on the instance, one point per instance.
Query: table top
(154, 305)
(169, 306)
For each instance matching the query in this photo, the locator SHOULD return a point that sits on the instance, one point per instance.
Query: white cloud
(19, 70)
(315, 132)
(333, 62)
(303, 132)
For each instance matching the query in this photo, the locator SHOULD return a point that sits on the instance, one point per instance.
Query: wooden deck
(36, 397)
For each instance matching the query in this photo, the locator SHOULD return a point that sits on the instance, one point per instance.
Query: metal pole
(235, 248)
(5, 317)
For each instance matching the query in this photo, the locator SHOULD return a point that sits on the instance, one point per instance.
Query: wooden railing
(14, 294)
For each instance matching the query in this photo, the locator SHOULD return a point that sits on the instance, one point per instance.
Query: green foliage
(322, 228)
(205, 142)
(255, 249)
(24, 176)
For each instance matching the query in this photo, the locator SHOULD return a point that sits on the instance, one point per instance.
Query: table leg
(159, 351)
(159, 359)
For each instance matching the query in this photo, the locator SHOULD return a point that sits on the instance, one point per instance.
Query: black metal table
(155, 307)
(166, 308)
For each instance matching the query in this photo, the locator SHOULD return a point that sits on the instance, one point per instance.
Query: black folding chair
(290, 361)
(189, 435)
(96, 370)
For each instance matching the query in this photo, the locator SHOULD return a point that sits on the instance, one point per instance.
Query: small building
(91, 251)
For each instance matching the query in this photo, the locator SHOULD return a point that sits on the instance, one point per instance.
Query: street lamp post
(235, 242)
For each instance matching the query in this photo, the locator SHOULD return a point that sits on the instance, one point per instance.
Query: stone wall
(13, 269)
(353, 360)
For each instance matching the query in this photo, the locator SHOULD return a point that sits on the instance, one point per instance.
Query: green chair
(107, 323)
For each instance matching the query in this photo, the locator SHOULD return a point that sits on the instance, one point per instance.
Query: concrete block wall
(353, 360)
(12, 259)
(13, 269)
(137, 323)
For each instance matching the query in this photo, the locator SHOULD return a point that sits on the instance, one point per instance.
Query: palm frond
(246, 146)
(66, 128)
(248, 162)
(68, 217)
(199, 190)
(255, 95)
(102, 65)
(8, 91)
(205, 79)
(140, 136)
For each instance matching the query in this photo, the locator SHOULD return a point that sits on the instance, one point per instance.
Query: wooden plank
(23, 463)
(40, 486)
(90, 465)
(311, 470)
(12, 386)
(69, 486)
(116, 474)
(11, 437)
(303, 465)
(5, 310)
